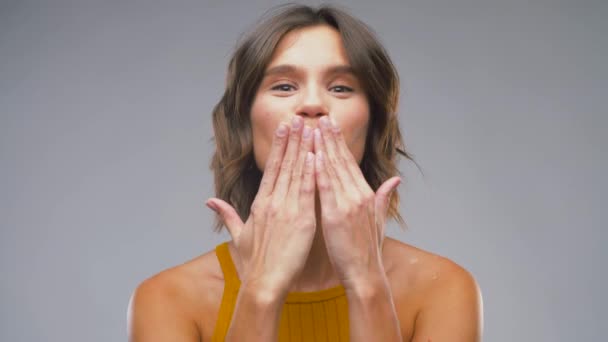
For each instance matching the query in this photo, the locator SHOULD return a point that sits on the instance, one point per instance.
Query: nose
(312, 105)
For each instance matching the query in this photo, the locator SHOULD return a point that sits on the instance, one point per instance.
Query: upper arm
(453, 310)
(155, 314)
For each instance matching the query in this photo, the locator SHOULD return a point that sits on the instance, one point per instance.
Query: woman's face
(309, 75)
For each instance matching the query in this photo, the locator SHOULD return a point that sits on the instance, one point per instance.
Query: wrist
(367, 287)
(263, 295)
(256, 315)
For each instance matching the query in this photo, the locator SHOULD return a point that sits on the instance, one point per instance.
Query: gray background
(105, 144)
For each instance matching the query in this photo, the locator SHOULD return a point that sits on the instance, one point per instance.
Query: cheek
(358, 140)
(354, 125)
(264, 121)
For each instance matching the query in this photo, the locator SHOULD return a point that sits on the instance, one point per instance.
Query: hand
(353, 217)
(275, 240)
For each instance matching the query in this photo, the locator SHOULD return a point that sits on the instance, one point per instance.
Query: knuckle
(333, 219)
(335, 160)
(278, 140)
(323, 186)
(344, 158)
(305, 145)
(368, 197)
(274, 208)
(255, 207)
(294, 137)
(273, 164)
(287, 163)
(360, 203)
(307, 188)
(294, 184)
(298, 168)
(350, 213)
(308, 223)
(265, 183)
(308, 170)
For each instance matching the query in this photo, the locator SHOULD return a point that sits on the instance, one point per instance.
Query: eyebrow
(291, 69)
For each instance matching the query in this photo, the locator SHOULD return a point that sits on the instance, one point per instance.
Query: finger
(298, 170)
(289, 159)
(384, 191)
(321, 147)
(333, 158)
(383, 196)
(351, 165)
(273, 163)
(228, 215)
(381, 203)
(307, 190)
(325, 186)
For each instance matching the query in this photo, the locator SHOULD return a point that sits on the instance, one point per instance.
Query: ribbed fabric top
(306, 316)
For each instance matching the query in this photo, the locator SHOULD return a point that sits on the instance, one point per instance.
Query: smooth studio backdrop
(105, 144)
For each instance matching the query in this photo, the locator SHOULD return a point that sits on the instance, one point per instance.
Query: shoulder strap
(223, 255)
(231, 289)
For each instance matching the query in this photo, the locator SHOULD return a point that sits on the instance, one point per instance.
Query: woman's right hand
(274, 243)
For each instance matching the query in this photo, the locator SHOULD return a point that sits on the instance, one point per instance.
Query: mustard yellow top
(306, 316)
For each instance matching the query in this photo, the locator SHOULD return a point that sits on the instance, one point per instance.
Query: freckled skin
(313, 50)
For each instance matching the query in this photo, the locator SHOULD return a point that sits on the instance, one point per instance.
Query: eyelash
(278, 87)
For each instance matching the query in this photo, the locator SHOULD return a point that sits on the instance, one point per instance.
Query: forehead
(314, 46)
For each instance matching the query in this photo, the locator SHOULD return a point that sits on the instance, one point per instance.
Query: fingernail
(309, 157)
(324, 121)
(397, 183)
(317, 133)
(296, 122)
(306, 132)
(211, 206)
(334, 125)
(282, 130)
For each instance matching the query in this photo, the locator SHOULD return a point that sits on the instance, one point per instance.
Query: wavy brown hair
(237, 177)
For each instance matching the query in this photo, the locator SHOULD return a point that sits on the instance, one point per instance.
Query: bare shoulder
(422, 270)
(438, 288)
(179, 303)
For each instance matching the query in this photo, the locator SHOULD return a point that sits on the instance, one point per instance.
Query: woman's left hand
(353, 217)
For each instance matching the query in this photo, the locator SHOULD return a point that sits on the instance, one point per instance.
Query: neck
(318, 272)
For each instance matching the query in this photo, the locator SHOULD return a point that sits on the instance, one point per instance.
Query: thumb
(382, 200)
(383, 195)
(228, 214)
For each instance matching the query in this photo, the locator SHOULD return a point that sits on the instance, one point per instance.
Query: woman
(311, 100)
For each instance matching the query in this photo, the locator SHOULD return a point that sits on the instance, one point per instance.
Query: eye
(283, 87)
(342, 89)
